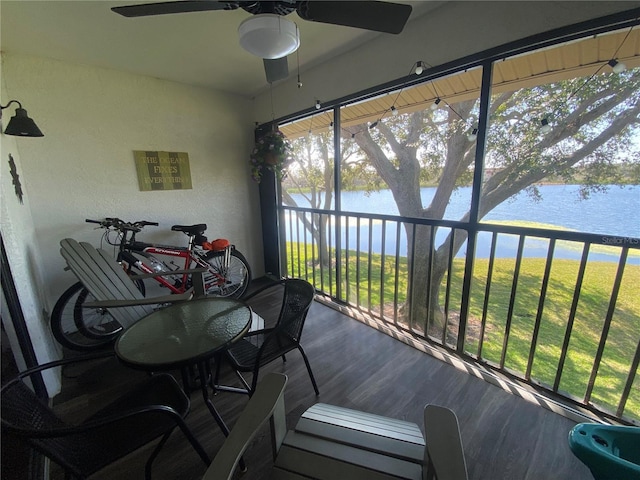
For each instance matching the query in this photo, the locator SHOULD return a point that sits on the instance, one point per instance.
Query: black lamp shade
(23, 126)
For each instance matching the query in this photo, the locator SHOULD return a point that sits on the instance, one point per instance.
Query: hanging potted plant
(272, 151)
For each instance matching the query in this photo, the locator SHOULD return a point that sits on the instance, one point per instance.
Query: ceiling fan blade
(164, 8)
(370, 15)
(276, 69)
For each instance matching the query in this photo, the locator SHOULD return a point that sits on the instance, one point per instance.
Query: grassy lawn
(591, 311)
(374, 290)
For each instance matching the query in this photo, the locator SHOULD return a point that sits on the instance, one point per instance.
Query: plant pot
(271, 159)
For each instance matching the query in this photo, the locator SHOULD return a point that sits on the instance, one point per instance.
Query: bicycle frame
(147, 250)
(138, 258)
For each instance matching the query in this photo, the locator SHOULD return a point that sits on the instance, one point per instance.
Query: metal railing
(554, 309)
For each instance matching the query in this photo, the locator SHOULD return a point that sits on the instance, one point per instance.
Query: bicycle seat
(190, 229)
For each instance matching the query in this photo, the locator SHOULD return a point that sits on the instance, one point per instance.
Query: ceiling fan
(269, 35)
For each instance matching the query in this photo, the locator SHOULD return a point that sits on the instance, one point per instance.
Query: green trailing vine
(271, 151)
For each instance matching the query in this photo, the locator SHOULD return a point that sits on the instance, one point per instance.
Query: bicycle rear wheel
(227, 280)
(79, 328)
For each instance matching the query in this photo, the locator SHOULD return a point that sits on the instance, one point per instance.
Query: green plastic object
(611, 452)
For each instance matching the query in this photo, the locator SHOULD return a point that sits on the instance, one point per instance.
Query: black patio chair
(261, 347)
(152, 409)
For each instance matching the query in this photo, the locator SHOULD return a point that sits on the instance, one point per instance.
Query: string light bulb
(473, 135)
(318, 105)
(434, 105)
(544, 126)
(394, 111)
(616, 66)
(420, 67)
(373, 125)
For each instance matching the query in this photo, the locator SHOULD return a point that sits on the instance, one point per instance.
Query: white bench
(332, 442)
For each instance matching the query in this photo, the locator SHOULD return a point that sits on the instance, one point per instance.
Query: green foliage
(580, 111)
(271, 151)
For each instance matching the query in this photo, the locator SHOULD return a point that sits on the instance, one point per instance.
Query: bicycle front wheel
(224, 280)
(79, 328)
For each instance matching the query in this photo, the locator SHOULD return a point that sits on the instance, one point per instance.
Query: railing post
(337, 186)
(541, 300)
(572, 315)
(474, 211)
(607, 323)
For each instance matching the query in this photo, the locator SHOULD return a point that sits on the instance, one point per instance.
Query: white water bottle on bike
(157, 265)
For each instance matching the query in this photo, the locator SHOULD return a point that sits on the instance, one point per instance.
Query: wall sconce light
(20, 124)
(616, 66)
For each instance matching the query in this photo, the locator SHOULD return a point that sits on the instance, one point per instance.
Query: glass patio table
(185, 335)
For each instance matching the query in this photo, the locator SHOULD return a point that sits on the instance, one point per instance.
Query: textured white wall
(20, 241)
(93, 119)
(451, 31)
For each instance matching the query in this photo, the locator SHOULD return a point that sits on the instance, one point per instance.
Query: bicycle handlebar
(121, 225)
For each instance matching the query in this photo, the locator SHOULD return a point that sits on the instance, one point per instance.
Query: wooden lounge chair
(267, 403)
(113, 289)
(332, 442)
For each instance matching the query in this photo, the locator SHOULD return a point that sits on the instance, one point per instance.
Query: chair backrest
(28, 417)
(298, 296)
(267, 403)
(101, 274)
(151, 409)
(444, 456)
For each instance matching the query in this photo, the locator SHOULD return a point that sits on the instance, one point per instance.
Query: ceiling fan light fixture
(269, 36)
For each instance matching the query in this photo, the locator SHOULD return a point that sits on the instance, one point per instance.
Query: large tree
(312, 175)
(593, 125)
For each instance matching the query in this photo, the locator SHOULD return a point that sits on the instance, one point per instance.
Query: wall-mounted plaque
(162, 170)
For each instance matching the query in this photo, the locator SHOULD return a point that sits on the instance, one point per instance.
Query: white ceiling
(198, 48)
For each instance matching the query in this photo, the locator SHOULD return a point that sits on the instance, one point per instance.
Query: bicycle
(227, 274)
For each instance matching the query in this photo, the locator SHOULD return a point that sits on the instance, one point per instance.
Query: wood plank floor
(504, 436)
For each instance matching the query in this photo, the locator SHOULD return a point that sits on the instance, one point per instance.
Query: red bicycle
(227, 275)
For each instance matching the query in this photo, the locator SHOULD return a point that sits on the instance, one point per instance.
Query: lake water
(615, 212)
